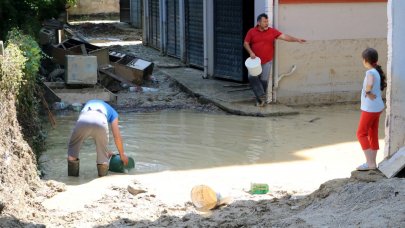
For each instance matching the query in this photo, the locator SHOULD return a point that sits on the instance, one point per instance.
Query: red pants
(367, 132)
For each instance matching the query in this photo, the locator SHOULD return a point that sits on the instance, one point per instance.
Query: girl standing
(371, 107)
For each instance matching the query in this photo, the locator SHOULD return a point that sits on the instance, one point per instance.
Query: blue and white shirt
(103, 107)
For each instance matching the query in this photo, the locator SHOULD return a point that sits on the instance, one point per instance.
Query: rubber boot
(102, 170)
(73, 168)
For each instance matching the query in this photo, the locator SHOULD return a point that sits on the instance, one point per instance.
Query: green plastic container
(116, 164)
(259, 188)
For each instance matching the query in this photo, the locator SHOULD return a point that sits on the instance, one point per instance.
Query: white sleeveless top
(368, 105)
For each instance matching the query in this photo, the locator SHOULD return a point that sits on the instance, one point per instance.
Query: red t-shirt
(262, 42)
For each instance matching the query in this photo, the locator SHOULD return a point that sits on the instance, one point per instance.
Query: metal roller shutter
(228, 39)
(173, 28)
(136, 13)
(125, 11)
(195, 32)
(154, 24)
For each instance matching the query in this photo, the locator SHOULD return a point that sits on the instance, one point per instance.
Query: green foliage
(29, 14)
(71, 2)
(27, 101)
(30, 50)
(12, 64)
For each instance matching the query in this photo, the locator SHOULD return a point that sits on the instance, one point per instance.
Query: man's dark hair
(262, 15)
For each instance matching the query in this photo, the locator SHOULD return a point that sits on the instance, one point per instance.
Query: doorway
(232, 20)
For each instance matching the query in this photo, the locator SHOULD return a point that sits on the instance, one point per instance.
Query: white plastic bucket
(254, 66)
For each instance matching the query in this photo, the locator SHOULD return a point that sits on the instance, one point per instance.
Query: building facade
(327, 69)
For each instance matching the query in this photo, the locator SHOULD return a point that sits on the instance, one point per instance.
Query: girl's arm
(369, 87)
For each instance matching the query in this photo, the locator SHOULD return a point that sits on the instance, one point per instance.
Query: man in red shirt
(259, 42)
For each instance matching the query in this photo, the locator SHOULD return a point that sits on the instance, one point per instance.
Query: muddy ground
(157, 92)
(367, 199)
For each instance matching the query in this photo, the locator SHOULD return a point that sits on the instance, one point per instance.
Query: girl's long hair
(370, 55)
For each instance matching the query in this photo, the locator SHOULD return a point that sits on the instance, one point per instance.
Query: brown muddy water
(186, 140)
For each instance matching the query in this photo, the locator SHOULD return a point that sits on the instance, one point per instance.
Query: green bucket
(116, 164)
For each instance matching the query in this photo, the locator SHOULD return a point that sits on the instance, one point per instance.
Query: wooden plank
(237, 90)
(102, 56)
(55, 85)
(390, 167)
(71, 96)
(84, 51)
(49, 94)
(117, 77)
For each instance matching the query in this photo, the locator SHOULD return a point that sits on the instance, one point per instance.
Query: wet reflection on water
(179, 140)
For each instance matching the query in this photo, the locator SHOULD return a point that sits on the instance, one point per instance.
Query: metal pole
(182, 25)
(1, 47)
(209, 38)
(145, 35)
(275, 59)
(163, 27)
(205, 39)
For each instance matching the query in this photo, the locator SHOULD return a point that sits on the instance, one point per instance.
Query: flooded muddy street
(175, 150)
(185, 140)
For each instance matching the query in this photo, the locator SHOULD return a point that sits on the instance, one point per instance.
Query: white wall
(331, 21)
(88, 7)
(263, 6)
(395, 127)
(329, 65)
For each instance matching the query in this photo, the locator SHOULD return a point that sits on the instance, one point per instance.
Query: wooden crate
(132, 69)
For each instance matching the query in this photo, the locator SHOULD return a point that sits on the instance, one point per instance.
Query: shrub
(12, 64)
(28, 103)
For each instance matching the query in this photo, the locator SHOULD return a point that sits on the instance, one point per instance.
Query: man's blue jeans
(259, 83)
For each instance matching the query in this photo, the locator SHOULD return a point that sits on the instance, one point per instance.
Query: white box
(81, 69)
